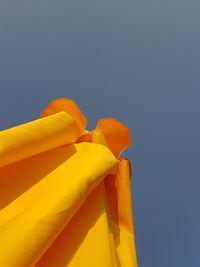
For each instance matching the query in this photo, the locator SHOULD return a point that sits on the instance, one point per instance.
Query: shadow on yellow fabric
(65, 195)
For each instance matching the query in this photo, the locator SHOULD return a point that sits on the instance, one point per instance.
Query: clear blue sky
(137, 61)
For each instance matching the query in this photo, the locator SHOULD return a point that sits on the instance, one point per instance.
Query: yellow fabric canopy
(65, 197)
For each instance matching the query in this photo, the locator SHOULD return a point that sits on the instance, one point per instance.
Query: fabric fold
(29, 224)
(37, 136)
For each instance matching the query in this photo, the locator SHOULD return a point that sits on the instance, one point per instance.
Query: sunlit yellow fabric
(65, 196)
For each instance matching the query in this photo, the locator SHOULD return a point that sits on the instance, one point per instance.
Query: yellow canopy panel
(65, 197)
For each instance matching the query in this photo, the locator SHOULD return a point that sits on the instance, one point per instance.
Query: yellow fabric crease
(65, 196)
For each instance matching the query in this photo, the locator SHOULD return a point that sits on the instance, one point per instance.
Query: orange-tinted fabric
(70, 107)
(116, 134)
(65, 195)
